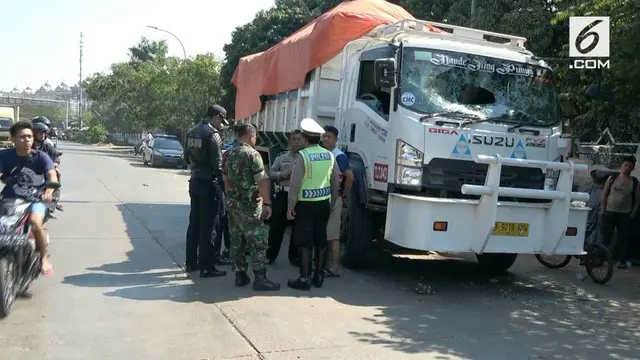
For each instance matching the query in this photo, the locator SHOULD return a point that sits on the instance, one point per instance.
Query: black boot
(242, 278)
(211, 272)
(320, 261)
(304, 281)
(261, 283)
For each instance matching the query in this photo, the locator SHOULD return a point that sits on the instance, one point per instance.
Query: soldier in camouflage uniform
(248, 203)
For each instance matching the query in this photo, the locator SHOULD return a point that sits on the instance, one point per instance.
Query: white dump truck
(455, 140)
(8, 116)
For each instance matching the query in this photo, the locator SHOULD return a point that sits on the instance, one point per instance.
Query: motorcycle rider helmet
(41, 119)
(39, 127)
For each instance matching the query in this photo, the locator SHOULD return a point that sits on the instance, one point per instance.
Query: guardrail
(557, 215)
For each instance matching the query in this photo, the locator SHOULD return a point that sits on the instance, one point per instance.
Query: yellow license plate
(511, 229)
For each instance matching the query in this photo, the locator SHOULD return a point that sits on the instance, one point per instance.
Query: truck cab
(7, 118)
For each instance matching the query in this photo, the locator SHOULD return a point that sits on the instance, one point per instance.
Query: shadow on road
(450, 307)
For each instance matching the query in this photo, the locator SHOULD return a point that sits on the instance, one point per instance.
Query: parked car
(164, 150)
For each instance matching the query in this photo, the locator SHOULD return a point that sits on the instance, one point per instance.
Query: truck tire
(357, 253)
(496, 262)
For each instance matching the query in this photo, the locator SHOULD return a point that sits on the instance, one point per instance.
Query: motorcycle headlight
(408, 164)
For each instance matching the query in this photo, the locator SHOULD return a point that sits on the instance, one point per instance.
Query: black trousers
(310, 224)
(223, 229)
(278, 226)
(206, 202)
(610, 222)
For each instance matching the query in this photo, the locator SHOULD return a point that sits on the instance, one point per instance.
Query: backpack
(635, 186)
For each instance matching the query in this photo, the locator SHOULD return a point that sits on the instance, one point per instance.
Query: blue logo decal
(462, 147)
(519, 152)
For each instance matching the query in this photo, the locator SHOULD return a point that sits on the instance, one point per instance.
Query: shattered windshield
(435, 81)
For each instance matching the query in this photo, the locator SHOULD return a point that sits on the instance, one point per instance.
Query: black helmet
(42, 120)
(40, 127)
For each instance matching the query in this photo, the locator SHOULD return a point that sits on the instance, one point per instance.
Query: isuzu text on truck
(453, 135)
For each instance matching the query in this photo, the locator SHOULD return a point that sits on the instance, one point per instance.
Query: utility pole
(80, 102)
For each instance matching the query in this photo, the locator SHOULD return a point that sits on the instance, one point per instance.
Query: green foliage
(56, 113)
(153, 91)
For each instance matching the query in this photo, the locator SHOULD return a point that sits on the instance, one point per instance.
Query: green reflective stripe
(318, 165)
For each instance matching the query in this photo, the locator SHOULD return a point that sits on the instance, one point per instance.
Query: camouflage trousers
(249, 238)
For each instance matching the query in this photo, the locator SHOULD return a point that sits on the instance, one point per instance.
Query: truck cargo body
(433, 173)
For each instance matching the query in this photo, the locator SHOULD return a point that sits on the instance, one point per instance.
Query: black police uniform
(203, 153)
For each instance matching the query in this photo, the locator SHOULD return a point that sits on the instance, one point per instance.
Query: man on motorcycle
(40, 130)
(44, 120)
(27, 170)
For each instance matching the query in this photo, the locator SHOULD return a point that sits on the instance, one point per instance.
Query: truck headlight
(408, 164)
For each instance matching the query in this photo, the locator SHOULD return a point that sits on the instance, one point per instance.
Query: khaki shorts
(335, 220)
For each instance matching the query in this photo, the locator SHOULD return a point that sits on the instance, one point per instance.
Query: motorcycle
(598, 256)
(137, 150)
(20, 262)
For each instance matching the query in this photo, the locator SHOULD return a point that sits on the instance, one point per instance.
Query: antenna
(80, 104)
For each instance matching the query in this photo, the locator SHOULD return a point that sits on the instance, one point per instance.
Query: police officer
(313, 190)
(248, 204)
(203, 154)
(280, 172)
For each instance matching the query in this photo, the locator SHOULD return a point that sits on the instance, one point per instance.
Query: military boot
(320, 261)
(304, 281)
(242, 278)
(261, 283)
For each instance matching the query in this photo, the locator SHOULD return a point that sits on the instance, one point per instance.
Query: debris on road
(423, 289)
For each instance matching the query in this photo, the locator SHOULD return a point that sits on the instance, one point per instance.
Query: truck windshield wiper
(456, 115)
(522, 119)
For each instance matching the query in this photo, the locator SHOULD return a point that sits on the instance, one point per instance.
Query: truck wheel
(359, 223)
(496, 262)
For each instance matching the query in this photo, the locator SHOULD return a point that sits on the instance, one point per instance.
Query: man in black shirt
(203, 153)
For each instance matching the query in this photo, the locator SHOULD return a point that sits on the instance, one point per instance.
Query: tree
(56, 113)
(152, 91)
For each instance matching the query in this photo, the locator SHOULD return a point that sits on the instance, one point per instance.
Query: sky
(41, 38)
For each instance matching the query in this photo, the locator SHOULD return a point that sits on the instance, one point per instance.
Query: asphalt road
(118, 293)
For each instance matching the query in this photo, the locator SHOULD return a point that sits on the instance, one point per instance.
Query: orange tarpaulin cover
(284, 66)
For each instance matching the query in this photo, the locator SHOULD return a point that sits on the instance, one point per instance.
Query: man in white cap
(313, 189)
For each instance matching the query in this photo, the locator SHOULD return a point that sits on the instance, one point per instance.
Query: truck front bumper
(489, 226)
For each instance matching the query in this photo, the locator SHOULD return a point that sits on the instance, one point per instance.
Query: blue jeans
(38, 208)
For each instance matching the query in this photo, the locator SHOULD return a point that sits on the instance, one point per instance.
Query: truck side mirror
(384, 72)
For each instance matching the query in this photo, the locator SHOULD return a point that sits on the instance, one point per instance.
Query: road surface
(118, 293)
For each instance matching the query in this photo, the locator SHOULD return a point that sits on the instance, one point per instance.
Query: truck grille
(451, 174)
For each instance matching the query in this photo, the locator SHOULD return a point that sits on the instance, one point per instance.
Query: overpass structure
(6, 100)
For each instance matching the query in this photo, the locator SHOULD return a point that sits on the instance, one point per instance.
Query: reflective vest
(318, 167)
